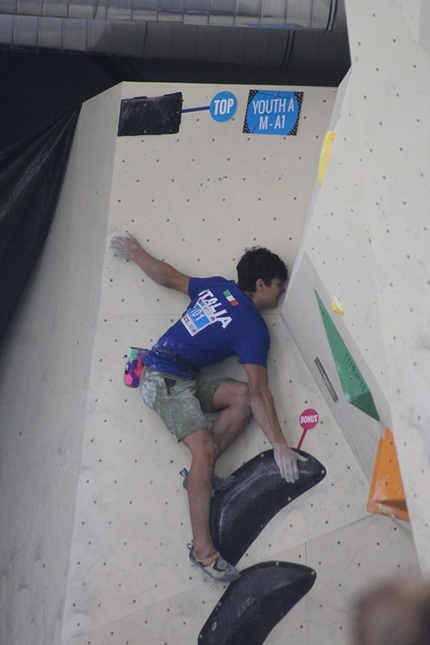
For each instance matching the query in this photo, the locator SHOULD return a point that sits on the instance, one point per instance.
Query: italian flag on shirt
(232, 300)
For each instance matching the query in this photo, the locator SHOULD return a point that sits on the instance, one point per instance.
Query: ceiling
(272, 34)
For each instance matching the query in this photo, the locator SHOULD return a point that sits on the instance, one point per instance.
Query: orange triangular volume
(387, 495)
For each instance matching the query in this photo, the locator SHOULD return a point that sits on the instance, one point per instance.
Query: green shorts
(181, 403)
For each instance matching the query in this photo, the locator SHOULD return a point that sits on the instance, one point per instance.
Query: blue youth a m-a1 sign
(272, 112)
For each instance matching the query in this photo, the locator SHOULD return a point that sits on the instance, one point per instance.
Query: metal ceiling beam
(236, 31)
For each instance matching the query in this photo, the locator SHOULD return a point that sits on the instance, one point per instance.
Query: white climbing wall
(336, 241)
(95, 553)
(365, 245)
(197, 199)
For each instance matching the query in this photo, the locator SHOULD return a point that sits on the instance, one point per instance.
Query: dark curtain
(31, 174)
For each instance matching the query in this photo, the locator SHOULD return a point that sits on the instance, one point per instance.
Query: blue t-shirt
(220, 320)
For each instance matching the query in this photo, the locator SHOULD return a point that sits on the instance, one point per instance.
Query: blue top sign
(272, 112)
(223, 106)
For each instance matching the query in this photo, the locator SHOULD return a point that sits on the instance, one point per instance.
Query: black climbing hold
(256, 602)
(239, 514)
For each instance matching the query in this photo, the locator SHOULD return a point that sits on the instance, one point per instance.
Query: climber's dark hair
(257, 263)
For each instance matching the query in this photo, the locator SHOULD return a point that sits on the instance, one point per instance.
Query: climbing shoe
(215, 566)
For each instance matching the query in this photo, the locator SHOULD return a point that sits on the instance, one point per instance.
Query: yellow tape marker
(337, 307)
(325, 155)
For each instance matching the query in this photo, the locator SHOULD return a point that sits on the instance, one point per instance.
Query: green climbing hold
(355, 388)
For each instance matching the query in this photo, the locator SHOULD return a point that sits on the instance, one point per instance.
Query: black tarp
(39, 105)
(31, 174)
(37, 88)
